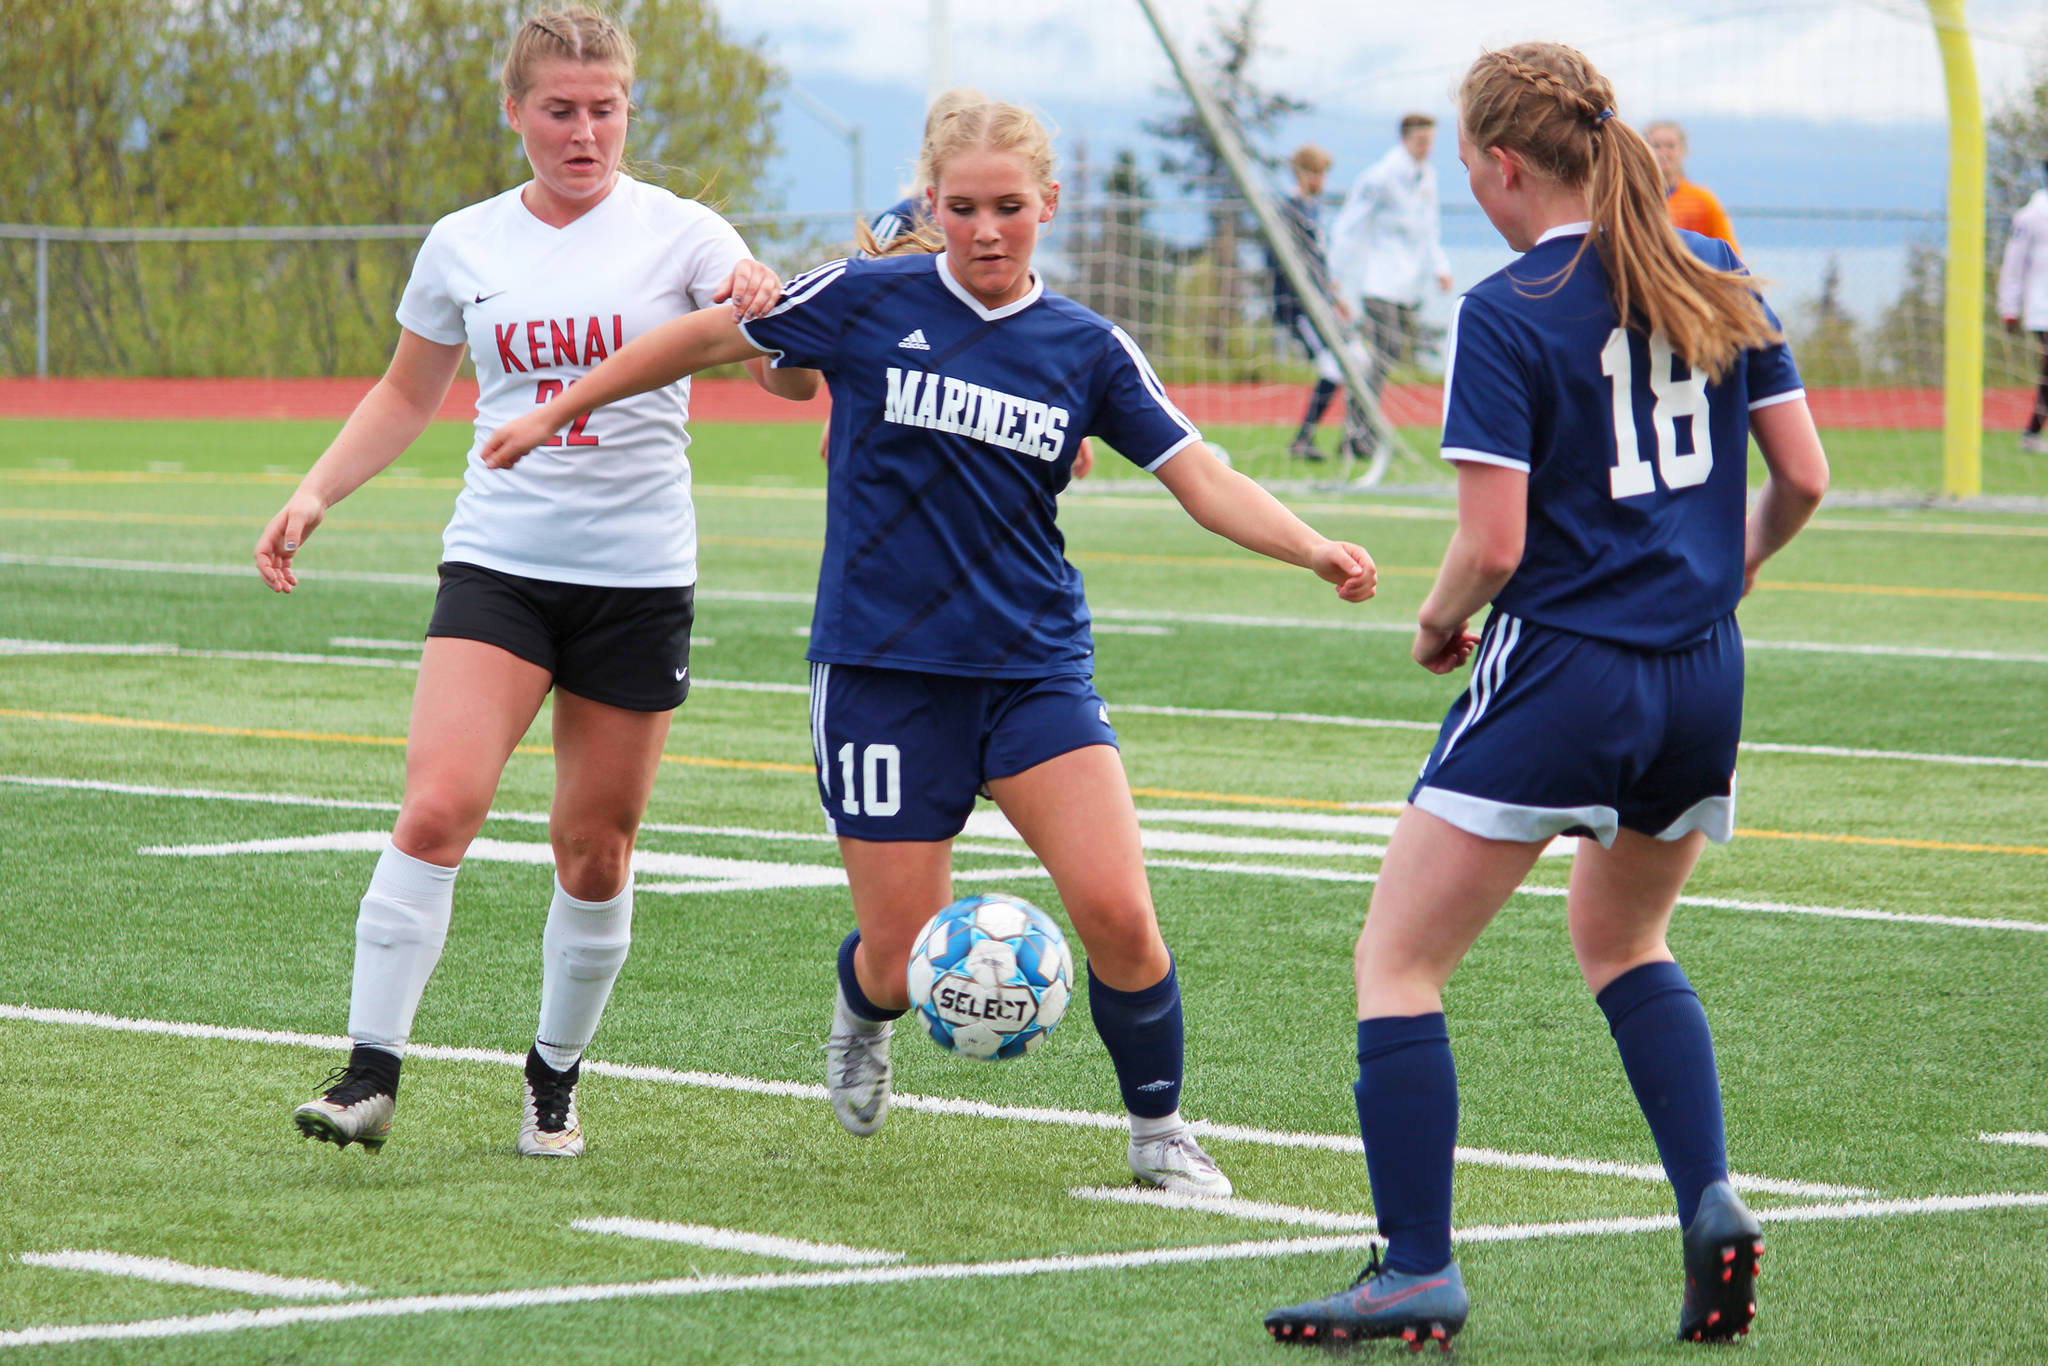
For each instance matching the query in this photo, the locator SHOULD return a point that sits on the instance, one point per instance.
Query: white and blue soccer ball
(990, 976)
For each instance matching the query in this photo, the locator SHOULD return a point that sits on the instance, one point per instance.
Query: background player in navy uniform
(1601, 486)
(950, 644)
(567, 575)
(1302, 211)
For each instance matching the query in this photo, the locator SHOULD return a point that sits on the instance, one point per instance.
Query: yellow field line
(771, 766)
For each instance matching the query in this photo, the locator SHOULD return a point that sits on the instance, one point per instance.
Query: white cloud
(1871, 61)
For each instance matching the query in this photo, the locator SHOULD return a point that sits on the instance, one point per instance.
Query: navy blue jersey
(905, 215)
(953, 428)
(1304, 219)
(1638, 466)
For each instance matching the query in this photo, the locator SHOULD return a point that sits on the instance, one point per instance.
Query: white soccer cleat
(857, 1068)
(352, 1109)
(1174, 1162)
(550, 1127)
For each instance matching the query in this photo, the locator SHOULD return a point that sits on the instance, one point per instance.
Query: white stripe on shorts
(1486, 676)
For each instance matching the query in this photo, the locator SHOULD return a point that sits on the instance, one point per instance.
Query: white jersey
(2023, 277)
(608, 502)
(1386, 242)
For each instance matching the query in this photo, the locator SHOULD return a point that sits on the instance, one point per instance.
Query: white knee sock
(582, 950)
(399, 933)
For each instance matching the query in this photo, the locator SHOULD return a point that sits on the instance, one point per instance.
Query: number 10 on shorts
(880, 779)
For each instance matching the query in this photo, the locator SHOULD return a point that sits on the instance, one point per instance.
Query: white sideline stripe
(1139, 614)
(1200, 1254)
(733, 1240)
(183, 1273)
(2024, 1140)
(18, 646)
(372, 643)
(1235, 1206)
(1197, 865)
(936, 1105)
(1706, 902)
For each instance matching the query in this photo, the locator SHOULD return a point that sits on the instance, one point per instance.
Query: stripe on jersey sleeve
(1150, 380)
(1511, 462)
(1770, 399)
(795, 294)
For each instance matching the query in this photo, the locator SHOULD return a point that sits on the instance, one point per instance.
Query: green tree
(245, 113)
(1825, 338)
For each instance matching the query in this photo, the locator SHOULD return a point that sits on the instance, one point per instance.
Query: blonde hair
(1310, 158)
(574, 34)
(967, 121)
(1548, 105)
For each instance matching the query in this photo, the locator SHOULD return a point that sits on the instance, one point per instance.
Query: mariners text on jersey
(945, 404)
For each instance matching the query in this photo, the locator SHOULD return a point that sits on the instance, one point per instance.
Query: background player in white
(2023, 301)
(1599, 401)
(568, 574)
(950, 645)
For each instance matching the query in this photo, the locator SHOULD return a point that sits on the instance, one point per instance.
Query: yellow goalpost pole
(1963, 329)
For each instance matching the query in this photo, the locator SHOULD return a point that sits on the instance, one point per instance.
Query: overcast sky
(1857, 60)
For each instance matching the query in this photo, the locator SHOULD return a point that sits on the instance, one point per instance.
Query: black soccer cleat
(1381, 1303)
(1722, 1245)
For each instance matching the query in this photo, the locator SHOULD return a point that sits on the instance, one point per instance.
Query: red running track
(738, 400)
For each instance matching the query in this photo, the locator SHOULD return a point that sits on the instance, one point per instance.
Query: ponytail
(1546, 103)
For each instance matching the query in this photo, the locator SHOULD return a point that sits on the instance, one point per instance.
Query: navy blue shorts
(902, 754)
(1562, 734)
(624, 647)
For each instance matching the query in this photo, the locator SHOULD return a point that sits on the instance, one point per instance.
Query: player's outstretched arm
(752, 289)
(1239, 509)
(1493, 515)
(387, 420)
(1798, 478)
(682, 346)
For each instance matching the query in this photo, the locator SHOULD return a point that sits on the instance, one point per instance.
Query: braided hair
(1547, 104)
(576, 34)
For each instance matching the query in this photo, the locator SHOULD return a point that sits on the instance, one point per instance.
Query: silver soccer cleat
(857, 1068)
(1174, 1162)
(352, 1109)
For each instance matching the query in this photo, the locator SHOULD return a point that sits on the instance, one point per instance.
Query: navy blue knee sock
(1668, 1052)
(856, 999)
(1408, 1115)
(1142, 1030)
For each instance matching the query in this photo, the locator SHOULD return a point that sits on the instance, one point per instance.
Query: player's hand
(1084, 459)
(1441, 651)
(1349, 567)
(283, 537)
(1443, 281)
(505, 447)
(753, 289)
(2012, 325)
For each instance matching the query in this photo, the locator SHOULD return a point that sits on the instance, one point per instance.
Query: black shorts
(624, 647)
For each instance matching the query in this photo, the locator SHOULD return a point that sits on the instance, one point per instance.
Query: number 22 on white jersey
(1674, 399)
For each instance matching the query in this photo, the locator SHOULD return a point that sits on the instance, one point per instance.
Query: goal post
(1341, 341)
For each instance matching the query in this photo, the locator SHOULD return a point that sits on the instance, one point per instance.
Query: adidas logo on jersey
(914, 342)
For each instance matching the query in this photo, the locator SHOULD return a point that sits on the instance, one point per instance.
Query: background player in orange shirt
(1691, 206)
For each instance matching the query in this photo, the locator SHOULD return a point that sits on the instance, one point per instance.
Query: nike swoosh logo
(1364, 1299)
(486, 298)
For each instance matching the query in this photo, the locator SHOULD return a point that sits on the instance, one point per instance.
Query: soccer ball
(990, 976)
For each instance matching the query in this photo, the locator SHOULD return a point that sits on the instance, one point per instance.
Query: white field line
(1115, 614)
(160, 650)
(936, 1105)
(1236, 1207)
(1033, 871)
(1201, 1254)
(733, 1240)
(2023, 1140)
(183, 1273)
(1705, 902)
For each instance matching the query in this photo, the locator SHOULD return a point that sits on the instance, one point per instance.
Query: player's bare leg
(606, 759)
(471, 705)
(897, 886)
(1076, 814)
(1619, 911)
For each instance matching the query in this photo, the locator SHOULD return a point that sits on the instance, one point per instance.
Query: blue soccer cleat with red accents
(1722, 1245)
(1381, 1303)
